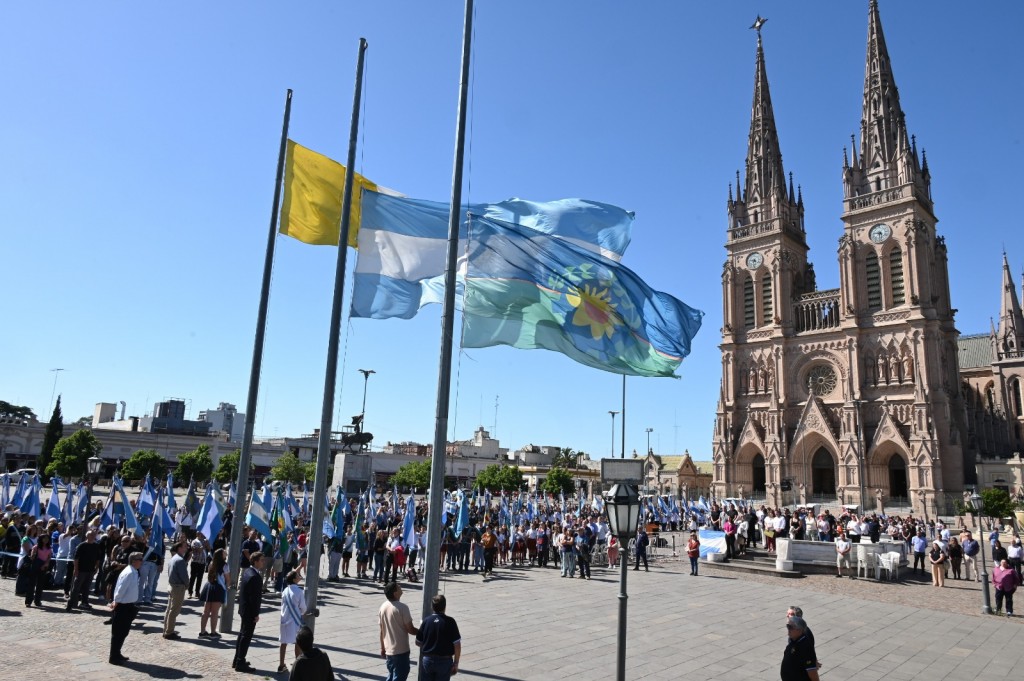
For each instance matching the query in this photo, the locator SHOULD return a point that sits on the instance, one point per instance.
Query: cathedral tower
(852, 394)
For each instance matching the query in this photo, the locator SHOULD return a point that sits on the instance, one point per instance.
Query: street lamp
(366, 382)
(649, 431)
(986, 607)
(613, 414)
(94, 465)
(623, 506)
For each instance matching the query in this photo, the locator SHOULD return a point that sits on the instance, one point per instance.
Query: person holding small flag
(293, 607)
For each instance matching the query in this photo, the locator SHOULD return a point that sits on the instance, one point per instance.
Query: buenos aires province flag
(530, 290)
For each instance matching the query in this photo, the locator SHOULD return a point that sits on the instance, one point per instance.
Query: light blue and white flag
(81, 503)
(156, 531)
(233, 494)
(107, 517)
(131, 523)
(258, 516)
(147, 498)
(172, 505)
(305, 498)
(53, 506)
(403, 244)
(31, 503)
(21, 490)
(5, 490)
(67, 512)
(462, 520)
(209, 521)
(409, 523)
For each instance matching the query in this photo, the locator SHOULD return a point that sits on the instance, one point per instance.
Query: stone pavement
(529, 624)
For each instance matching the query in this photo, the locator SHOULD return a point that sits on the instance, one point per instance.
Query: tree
(14, 412)
(83, 422)
(558, 480)
(196, 464)
(996, 503)
(71, 453)
(567, 457)
(54, 432)
(144, 461)
(309, 470)
(497, 477)
(288, 469)
(415, 475)
(227, 467)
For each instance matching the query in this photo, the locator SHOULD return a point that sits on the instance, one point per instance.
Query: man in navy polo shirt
(440, 644)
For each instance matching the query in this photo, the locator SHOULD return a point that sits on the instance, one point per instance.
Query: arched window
(1015, 398)
(896, 276)
(766, 299)
(748, 303)
(874, 281)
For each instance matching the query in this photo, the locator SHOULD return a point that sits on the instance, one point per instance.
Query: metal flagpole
(444, 379)
(623, 454)
(244, 460)
(323, 449)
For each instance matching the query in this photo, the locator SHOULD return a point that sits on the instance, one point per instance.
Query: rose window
(821, 380)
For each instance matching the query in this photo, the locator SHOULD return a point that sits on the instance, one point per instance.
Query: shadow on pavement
(156, 671)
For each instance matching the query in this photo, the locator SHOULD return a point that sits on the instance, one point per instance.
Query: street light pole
(613, 414)
(649, 431)
(366, 382)
(986, 607)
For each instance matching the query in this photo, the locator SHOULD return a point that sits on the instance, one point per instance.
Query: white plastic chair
(867, 562)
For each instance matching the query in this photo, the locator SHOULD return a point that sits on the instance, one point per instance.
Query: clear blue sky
(140, 141)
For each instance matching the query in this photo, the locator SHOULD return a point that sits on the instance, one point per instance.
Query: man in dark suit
(249, 602)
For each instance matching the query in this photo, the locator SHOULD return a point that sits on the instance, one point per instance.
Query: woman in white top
(293, 607)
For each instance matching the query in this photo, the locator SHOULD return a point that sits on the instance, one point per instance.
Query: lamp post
(986, 604)
(613, 414)
(366, 382)
(649, 431)
(94, 465)
(623, 506)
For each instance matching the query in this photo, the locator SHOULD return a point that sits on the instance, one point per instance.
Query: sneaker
(203, 634)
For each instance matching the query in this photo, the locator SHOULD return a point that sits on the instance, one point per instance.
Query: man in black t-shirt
(249, 547)
(440, 643)
(87, 558)
(799, 661)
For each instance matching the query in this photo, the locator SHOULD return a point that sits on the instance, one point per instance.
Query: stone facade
(836, 394)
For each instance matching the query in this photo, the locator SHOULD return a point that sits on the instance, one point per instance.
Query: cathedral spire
(888, 157)
(765, 176)
(1010, 336)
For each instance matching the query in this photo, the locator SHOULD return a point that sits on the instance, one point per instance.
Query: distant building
(677, 475)
(225, 419)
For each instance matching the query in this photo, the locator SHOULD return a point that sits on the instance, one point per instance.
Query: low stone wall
(819, 557)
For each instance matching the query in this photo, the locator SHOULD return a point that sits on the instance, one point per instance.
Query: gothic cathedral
(853, 393)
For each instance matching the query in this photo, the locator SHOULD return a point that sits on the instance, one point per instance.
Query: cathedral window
(766, 299)
(748, 303)
(874, 281)
(896, 276)
(1015, 398)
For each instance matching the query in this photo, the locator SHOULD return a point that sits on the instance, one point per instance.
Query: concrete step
(752, 564)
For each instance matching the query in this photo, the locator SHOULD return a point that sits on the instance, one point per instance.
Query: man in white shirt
(843, 548)
(126, 594)
(184, 522)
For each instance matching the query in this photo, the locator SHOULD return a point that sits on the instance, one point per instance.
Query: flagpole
(245, 458)
(439, 455)
(323, 450)
(623, 455)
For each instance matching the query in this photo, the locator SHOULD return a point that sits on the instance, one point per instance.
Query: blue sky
(140, 144)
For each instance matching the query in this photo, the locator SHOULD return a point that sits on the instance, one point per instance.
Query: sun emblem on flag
(594, 308)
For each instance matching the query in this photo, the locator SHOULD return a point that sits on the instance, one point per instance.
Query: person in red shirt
(693, 552)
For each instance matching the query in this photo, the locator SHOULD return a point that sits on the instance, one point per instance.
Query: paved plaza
(528, 623)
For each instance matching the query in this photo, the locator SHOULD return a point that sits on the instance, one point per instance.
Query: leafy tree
(497, 477)
(567, 457)
(996, 503)
(309, 470)
(558, 480)
(54, 432)
(144, 461)
(288, 468)
(196, 464)
(227, 467)
(415, 475)
(83, 422)
(15, 412)
(71, 453)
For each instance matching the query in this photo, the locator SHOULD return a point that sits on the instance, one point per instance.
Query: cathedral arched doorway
(759, 477)
(823, 473)
(898, 477)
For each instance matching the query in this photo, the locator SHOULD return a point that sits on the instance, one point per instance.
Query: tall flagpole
(623, 454)
(323, 450)
(444, 379)
(242, 482)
